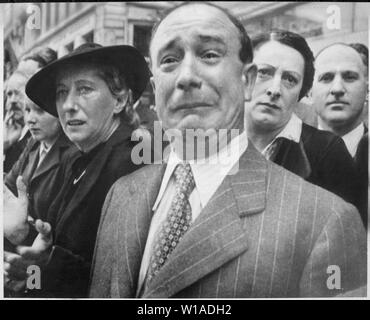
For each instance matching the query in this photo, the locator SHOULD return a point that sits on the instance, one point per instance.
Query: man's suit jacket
(362, 163)
(265, 233)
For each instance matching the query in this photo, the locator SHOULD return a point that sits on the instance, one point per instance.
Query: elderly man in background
(339, 95)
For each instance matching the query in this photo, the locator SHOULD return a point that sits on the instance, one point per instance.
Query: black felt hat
(41, 87)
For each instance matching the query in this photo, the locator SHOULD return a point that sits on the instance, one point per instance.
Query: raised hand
(16, 227)
(16, 264)
(41, 246)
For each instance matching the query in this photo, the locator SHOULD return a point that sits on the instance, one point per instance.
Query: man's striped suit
(265, 233)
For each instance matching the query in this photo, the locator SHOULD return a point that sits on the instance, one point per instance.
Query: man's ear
(249, 79)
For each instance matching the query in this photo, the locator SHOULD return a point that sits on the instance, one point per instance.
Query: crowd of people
(287, 198)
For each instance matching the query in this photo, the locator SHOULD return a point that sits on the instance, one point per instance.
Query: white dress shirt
(292, 131)
(208, 176)
(23, 133)
(44, 149)
(352, 138)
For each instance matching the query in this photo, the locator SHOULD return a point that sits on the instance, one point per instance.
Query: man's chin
(266, 121)
(75, 137)
(338, 117)
(191, 123)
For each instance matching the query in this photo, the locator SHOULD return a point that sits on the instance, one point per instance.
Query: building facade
(65, 25)
(321, 23)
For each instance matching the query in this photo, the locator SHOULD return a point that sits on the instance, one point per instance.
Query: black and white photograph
(185, 150)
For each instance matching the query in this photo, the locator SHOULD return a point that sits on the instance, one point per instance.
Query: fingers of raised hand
(45, 238)
(30, 253)
(44, 228)
(22, 189)
(15, 266)
(14, 285)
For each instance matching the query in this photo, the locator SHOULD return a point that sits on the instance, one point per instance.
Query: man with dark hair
(363, 52)
(227, 223)
(339, 94)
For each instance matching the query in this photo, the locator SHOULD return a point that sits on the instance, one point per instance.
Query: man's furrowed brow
(213, 38)
(168, 46)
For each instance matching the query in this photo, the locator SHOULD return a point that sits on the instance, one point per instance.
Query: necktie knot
(42, 155)
(184, 178)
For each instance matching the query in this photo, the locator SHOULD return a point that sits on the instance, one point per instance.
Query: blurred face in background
(280, 72)
(340, 87)
(15, 96)
(29, 66)
(43, 126)
(85, 105)
(15, 88)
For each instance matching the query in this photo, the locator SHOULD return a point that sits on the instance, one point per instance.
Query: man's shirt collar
(352, 138)
(292, 131)
(209, 173)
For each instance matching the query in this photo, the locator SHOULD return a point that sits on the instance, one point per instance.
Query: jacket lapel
(33, 158)
(137, 218)
(52, 158)
(292, 156)
(93, 172)
(218, 235)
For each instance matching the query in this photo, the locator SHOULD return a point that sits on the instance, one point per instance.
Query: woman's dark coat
(42, 182)
(75, 222)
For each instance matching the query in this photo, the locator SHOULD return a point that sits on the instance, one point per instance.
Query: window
(89, 37)
(142, 38)
(69, 47)
(48, 12)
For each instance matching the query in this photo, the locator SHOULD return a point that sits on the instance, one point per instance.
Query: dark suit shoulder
(319, 142)
(325, 150)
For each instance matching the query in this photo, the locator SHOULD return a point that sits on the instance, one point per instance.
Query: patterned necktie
(177, 222)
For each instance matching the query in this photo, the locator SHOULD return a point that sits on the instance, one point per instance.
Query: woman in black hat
(92, 90)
